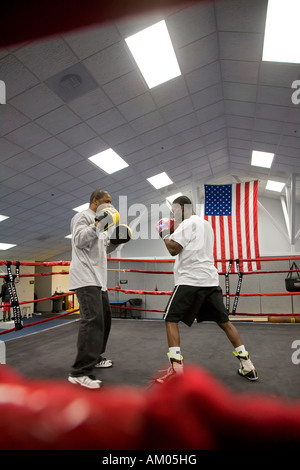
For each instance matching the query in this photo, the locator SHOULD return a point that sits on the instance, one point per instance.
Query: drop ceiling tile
(58, 120)
(213, 125)
(239, 108)
(240, 122)
(207, 97)
(129, 147)
(243, 16)
(278, 74)
(182, 123)
(106, 121)
(109, 64)
(46, 57)
(37, 101)
(23, 161)
(240, 71)
(193, 23)
(10, 119)
(240, 46)
(41, 171)
(155, 135)
(77, 135)
(210, 112)
(177, 109)
(125, 88)
(198, 53)
(240, 91)
(90, 148)
(137, 107)
(170, 91)
(80, 168)
(36, 188)
(278, 113)
(29, 135)
(11, 70)
(118, 135)
(8, 149)
(147, 122)
(91, 104)
(65, 159)
(49, 148)
(203, 77)
(274, 95)
(89, 41)
(20, 181)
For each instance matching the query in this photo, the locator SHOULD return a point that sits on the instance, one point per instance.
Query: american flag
(231, 209)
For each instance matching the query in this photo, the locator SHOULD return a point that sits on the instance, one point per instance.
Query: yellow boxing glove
(107, 217)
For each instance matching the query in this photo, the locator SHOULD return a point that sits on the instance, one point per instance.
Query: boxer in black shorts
(197, 294)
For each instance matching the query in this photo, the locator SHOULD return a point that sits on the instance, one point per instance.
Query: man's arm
(173, 247)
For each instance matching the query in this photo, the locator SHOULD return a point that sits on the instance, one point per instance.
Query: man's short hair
(97, 194)
(182, 201)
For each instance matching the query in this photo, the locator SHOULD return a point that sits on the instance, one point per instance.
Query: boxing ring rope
(150, 292)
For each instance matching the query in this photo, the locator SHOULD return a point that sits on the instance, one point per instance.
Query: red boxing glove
(165, 227)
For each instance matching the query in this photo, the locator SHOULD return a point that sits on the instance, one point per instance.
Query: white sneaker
(104, 363)
(176, 367)
(247, 369)
(88, 381)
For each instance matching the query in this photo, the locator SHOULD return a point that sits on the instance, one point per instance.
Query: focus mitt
(165, 227)
(122, 234)
(107, 217)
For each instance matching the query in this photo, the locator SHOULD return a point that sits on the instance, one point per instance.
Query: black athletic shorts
(188, 303)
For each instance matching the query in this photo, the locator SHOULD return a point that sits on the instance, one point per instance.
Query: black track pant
(94, 329)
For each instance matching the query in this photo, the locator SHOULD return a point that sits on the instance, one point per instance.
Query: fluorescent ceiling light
(153, 52)
(172, 198)
(81, 208)
(282, 32)
(3, 217)
(6, 246)
(275, 186)
(109, 161)
(160, 180)
(262, 159)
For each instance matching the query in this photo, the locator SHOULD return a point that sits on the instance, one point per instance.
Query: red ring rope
(146, 292)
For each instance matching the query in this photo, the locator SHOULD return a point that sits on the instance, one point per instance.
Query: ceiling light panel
(262, 159)
(6, 246)
(275, 186)
(81, 208)
(172, 198)
(153, 52)
(282, 32)
(160, 181)
(108, 161)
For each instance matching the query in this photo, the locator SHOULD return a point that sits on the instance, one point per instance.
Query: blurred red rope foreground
(194, 411)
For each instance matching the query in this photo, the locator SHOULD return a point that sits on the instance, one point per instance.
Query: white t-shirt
(194, 265)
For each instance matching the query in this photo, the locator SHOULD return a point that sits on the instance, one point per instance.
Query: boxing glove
(121, 234)
(165, 227)
(107, 217)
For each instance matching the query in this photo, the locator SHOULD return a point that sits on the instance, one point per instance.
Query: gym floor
(138, 349)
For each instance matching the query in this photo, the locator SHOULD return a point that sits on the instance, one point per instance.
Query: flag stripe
(236, 235)
(255, 224)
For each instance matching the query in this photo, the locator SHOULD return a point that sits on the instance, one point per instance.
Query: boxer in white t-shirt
(197, 294)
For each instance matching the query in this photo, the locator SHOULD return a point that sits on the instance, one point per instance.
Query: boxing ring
(39, 352)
